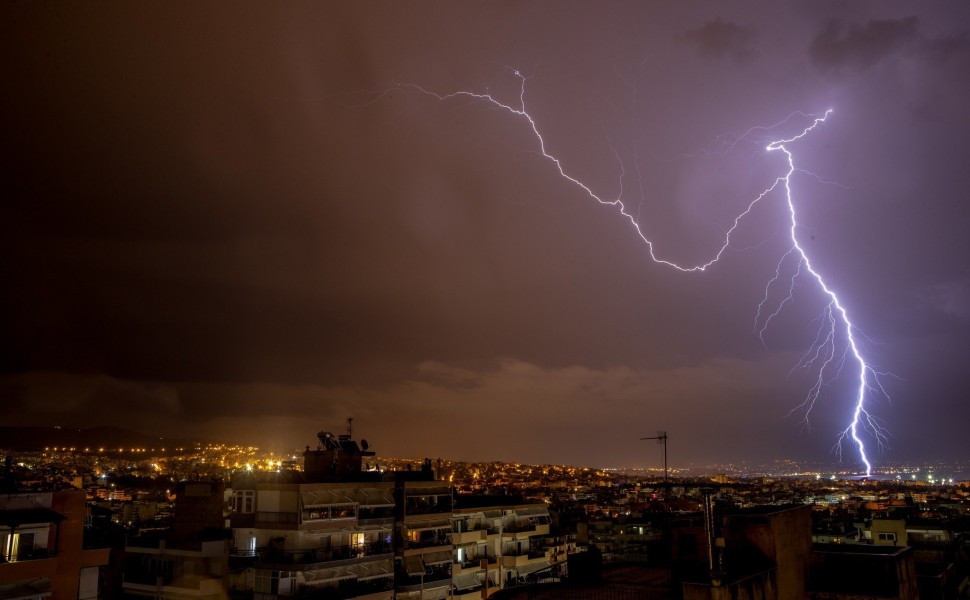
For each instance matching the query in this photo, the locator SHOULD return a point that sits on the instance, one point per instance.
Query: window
(161, 568)
(887, 536)
(17, 546)
(344, 511)
(267, 582)
(244, 501)
(330, 512)
(275, 582)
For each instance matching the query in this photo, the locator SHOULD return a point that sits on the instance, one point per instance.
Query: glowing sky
(228, 221)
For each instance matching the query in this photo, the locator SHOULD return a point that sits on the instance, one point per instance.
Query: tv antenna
(661, 438)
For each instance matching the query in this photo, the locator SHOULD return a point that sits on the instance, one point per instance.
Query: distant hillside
(38, 438)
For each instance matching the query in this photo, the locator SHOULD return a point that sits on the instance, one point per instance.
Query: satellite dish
(364, 444)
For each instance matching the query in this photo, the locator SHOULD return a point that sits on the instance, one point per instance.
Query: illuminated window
(16, 546)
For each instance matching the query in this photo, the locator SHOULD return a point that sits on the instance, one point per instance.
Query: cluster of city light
(87, 449)
(826, 356)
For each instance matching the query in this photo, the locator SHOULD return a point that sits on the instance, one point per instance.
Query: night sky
(241, 221)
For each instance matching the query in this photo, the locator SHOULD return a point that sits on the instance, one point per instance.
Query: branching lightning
(836, 343)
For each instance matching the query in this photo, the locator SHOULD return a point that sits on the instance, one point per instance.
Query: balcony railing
(376, 522)
(530, 552)
(432, 580)
(277, 518)
(315, 555)
(463, 526)
(374, 586)
(471, 563)
(35, 553)
(428, 543)
(147, 579)
(473, 592)
(420, 506)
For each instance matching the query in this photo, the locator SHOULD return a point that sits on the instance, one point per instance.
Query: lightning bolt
(837, 340)
(835, 319)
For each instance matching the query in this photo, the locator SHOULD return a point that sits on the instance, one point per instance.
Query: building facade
(42, 544)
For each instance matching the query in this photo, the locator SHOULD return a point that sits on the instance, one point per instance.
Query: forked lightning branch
(836, 347)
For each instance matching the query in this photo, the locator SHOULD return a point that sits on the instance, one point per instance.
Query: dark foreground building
(43, 553)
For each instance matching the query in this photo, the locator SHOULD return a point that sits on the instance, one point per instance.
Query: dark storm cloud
(844, 47)
(841, 46)
(82, 400)
(720, 38)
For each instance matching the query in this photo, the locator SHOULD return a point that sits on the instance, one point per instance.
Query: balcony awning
(464, 581)
(376, 497)
(529, 568)
(332, 504)
(437, 558)
(326, 497)
(429, 491)
(374, 570)
(387, 574)
(426, 525)
(317, 497)
(532, 511)
(321, 576)
(414, 565)
(16, 518)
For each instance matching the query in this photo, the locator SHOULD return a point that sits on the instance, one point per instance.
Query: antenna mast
(661, 438)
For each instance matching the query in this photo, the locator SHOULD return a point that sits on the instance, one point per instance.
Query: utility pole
(661, 438)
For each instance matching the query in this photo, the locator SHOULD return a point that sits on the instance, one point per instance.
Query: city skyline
(233, 224)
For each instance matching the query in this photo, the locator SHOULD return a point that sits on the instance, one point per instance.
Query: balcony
(436, 579)
(239, 520)
(285, 560)
(524, 528)
(32, 553)
(464, 537)
(469, 593)
(427, 543)
(277, 520)
(375, 586)
(519, 559)
(428, 505)
(34, 568)
(375, 523)
(191, 584)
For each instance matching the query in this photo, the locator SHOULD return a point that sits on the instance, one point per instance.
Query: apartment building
(501, 541)
(330, 535)
(423, 546)
(190, 561)
(42, 553)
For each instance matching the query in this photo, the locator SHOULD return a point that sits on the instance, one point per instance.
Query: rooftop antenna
(350, 427)
(661, 438)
